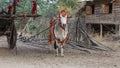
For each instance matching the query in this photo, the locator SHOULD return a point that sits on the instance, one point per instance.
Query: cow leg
(50, 49)
(57, 52)
(56, 48)
(62, 54)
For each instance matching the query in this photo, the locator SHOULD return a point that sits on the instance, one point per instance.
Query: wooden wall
(117, 1)
(105, 8)
(88, 9)
(102, 15)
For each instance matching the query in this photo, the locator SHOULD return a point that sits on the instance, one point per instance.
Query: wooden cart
(7, 28)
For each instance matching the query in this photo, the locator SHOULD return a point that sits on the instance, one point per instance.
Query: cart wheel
(12, 37)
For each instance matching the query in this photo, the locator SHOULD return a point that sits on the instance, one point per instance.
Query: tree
(47, 9)
(70, 5)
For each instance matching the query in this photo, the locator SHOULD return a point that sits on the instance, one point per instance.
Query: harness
(52, 34)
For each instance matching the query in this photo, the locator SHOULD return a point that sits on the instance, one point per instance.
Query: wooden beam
(29, 15)
(2, 18)
(19, 15)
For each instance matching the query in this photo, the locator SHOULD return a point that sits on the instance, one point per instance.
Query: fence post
(101, 31)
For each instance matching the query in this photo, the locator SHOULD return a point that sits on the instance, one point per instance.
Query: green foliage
(32, 27)
(44, 8)
(70, 5)
(24, 6)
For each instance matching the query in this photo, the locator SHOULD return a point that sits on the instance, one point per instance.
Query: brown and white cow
(59, 32)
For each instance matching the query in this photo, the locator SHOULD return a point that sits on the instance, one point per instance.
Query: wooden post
(116, 28)
(119, 29)
(101, 31)
(14, 11)
(89, 28)
(77, 30)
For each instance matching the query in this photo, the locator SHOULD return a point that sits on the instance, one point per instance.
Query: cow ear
(60, 15)
(70, 16)
(66, 15)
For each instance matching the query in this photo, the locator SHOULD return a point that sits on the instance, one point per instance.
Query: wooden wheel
(12, 37)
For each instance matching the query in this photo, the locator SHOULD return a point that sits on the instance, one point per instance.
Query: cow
(59, 32)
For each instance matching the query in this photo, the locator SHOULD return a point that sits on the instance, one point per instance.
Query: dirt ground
(32, 56)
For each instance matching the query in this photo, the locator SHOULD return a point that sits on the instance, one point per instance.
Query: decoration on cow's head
(63, 19)
(63, 13)
(17, 1)
(33, 0)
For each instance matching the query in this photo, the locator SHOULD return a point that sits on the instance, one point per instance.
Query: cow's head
(63, 18)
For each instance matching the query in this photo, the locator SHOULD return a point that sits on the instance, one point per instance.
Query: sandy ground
(31, 56)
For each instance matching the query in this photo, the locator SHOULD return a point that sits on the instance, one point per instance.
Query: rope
(35, 34)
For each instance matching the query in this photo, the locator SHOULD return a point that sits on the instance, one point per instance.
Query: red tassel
(63, 13)
(17, 1)
(10, 8)
(34, 7)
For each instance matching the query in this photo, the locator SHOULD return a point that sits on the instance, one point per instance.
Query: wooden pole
(19, 15)
(76, 32)
(77, 29)
(2, 18)
(101, 31)
(116, 28)
(14, 3)
(119, 29)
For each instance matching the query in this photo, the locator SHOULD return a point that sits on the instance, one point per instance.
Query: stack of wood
(105, 8)
(117, 1)
(88, 9)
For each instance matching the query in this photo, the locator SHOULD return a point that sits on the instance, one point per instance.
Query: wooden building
(102, 15)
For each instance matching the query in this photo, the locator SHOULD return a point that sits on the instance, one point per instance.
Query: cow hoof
(57, 55)
(49, 51)
(62, 55)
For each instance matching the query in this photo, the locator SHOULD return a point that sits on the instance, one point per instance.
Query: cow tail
(55, 45)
